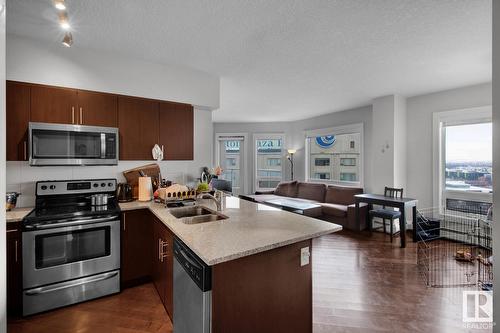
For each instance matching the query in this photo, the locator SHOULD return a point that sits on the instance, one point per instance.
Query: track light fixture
(59, 4)
(63, 20)
(68, 39)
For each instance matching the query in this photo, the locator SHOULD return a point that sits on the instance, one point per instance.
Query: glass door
(60, 248)
(231, 159)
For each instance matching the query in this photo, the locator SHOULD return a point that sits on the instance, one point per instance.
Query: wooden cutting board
(150, 170)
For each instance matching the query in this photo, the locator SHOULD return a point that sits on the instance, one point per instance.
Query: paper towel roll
(145, 189)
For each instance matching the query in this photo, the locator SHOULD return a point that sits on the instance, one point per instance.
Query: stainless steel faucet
(217, 198)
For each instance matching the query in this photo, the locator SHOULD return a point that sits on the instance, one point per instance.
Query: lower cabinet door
(159, 266)
(163, 264)
(136, 237)
(14, 271)
(169, 284)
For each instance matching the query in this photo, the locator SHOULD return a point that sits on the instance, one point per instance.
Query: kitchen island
(259, 257)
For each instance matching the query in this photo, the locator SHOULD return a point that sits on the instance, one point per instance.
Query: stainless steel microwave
(60, 144)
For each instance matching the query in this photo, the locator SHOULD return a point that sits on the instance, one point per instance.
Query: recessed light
(68, 39)
(63, 21)
(59, 4)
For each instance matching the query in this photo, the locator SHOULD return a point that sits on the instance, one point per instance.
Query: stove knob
(52, 187)
(103, 184)
(110, 184)
(96, 185)
(43, 187)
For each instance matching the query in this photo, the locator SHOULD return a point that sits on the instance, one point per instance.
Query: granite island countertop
(249, 229)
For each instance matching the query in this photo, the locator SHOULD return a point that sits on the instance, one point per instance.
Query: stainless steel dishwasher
(192, 292)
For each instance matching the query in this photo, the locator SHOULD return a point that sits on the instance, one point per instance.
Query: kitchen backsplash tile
(21, 177)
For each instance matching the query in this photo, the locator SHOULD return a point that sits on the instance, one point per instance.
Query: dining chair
(388, 214)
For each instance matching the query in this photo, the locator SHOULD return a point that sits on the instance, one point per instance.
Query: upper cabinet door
(18, 116)
(177, 130)
(54, 105)
(97, 109)
(138, 126)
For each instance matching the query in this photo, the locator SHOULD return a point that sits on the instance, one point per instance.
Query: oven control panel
(55, 187)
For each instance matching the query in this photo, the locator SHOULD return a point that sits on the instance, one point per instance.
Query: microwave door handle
(103, 145)
(66, 285)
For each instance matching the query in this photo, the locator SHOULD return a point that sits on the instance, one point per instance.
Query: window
(463, 158)
(348, 162)
(268, 160)
(274, 161)
(230, 155)
(348, 177)
(334, 155)
(322, 161)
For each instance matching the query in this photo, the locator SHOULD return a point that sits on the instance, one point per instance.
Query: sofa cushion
(342, 195)
(334, 209)
(287, 189)
(311, 191)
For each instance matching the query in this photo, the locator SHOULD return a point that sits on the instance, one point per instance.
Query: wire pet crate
(454, 247)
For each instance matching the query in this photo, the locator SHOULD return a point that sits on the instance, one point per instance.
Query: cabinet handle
(159, 250)
(25, 150)
(124, 221)
(164, 254)
(72, 114)
(15, 250)
(81, 116)
(12, 230)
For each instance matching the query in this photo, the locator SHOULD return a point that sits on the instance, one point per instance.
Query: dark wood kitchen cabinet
(138, 125)
(162, 272)
(177, 124)
(18, 117)
(14, 269)
(97, 109)
(136, 236)
(53, 105)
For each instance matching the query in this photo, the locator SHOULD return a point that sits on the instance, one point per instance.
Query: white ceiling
(286, 59)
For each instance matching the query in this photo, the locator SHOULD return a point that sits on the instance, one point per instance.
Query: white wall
(3, 268)
(496, 160)
(21, 177)
(419, 128)
(295, 138)
(34, 61)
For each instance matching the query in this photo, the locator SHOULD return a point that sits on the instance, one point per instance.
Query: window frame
(476, 115)
(222, 136)
(267, 136)
(337, 130)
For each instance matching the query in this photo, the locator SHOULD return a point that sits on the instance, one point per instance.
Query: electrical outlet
(304, 256)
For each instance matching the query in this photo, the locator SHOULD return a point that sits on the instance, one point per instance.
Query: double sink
(196, 214)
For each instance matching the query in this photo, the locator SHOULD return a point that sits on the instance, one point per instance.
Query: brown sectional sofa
(337, 202)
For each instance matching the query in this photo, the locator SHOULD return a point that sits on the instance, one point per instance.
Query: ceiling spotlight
(63, 21)
(59, 4)
(68, 39)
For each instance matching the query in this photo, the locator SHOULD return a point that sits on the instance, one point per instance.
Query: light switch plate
(305, 254)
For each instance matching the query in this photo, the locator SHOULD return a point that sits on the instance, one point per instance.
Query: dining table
(401, 203)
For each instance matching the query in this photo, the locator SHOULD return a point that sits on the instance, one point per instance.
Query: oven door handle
(70, 223)
(70, 284)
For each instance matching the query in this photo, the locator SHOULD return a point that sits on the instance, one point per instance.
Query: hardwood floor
(361, 283)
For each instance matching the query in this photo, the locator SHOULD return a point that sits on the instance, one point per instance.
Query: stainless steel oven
(70, 245)
(60, 144)
(70, 252)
